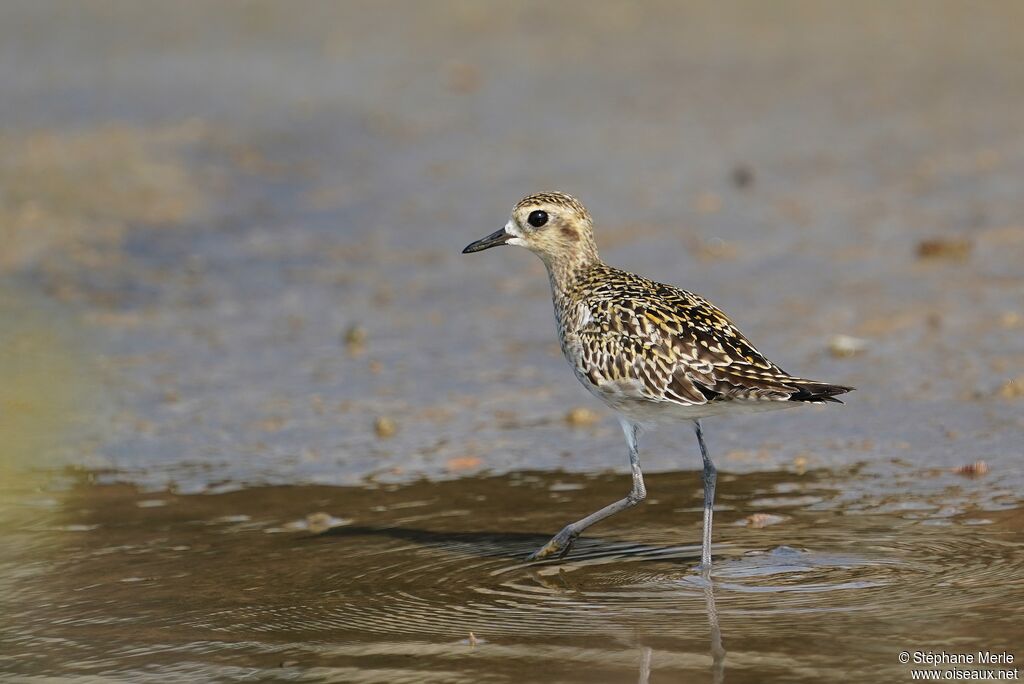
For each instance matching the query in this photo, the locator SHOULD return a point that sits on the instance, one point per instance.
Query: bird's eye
(537, 218)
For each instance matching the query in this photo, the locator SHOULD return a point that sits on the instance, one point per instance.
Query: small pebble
(321, 522)
(457, 463)
(355, 338)
(1011, 319)
(385, 427)
(1012, 388)
(845, 346)
(953, 249)
(580, 416)
(759, 520)
(975, 469)
(742, 176)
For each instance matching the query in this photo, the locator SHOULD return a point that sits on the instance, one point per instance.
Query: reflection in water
(107, 578)
(717, 651)
(715, 633)
(645, 664)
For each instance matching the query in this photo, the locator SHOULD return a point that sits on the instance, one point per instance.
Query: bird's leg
(563, 541)
(709, 477)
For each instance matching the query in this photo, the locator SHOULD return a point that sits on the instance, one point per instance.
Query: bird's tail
(813, 392)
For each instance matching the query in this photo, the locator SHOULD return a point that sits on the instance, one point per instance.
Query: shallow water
(232, 298)
(111, 581)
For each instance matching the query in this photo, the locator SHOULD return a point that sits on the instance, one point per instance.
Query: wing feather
(638, 339)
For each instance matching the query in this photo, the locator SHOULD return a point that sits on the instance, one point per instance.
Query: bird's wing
(658, 343)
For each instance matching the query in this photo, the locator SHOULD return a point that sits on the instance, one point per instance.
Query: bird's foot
(557, 547)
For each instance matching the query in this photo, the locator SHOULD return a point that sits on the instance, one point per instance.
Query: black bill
(498, 237)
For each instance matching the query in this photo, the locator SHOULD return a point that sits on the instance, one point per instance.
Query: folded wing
(662, 344)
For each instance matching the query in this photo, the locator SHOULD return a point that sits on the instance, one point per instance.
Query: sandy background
(218, 196)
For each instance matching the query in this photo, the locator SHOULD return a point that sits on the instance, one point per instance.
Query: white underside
(629, 405)
(653, 413)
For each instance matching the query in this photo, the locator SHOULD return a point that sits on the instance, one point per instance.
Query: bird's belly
(627, 399)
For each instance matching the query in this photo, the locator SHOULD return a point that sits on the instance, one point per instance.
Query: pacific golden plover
(652, 352)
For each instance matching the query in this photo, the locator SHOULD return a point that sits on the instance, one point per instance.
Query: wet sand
(231, 297)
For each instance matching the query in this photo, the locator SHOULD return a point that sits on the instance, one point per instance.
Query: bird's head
(552, 225)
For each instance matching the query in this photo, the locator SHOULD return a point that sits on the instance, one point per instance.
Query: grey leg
(709, 477)
(563, 541)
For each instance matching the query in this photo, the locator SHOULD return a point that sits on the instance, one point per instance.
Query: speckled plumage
(654, 353)
(650, 351)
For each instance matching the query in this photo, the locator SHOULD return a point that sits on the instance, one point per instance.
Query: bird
(653, 353)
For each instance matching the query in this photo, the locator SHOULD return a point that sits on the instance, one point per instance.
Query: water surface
(426, 581)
